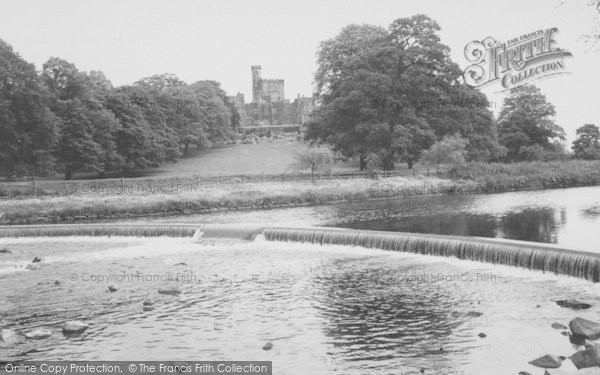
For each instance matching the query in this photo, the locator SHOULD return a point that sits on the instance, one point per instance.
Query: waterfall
(141, 230)
(511, 253)
(195, 231)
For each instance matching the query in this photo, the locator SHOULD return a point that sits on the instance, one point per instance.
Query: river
(567, 217)
(325, 309)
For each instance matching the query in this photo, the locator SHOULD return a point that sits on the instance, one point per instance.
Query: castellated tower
(256, 84)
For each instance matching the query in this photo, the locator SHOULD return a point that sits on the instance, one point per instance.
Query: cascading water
(532, 256)
(181, 230)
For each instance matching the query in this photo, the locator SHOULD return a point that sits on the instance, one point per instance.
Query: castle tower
(256, 84)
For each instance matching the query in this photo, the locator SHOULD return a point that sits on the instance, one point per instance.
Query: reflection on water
(327, 310)
(567, 217)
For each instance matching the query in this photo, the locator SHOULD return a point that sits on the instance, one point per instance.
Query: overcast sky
(220, 39)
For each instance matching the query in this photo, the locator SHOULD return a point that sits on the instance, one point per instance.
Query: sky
(220, 40)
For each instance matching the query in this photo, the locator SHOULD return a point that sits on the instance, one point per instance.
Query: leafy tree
(315, 159)
(587, 144)
(87, 128)
(28, 128)
(160, 82)
(526, 124)
(392, 95)
(332, 54)
(449, 150)
(143, 139)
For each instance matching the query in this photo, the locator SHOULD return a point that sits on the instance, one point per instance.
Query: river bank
(157, 200)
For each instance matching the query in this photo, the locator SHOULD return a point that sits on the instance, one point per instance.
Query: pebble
(172, 291)
(74, 326)
(38, 334)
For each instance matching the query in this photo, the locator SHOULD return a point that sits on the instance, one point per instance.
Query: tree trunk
(68, 173)
(363, 162)
(388, 164)
(410, 163)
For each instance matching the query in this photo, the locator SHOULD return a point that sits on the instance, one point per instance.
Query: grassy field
(241, 159)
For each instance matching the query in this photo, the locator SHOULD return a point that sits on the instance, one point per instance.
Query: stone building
(269, 105)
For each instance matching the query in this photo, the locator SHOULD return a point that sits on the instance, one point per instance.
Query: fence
(141, 185)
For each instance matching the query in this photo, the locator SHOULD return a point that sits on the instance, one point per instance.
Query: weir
(241, 232)
(546, 258)
(579, 264)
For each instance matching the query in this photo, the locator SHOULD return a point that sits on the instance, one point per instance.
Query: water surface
(327, 310)
(567, 217)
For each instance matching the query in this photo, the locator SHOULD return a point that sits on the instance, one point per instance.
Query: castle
(269, 106)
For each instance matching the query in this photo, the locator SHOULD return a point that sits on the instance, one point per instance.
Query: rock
(180, 264)
(565, 333)
(573, 304)
(5, 251)
(524, 373)
(587, 358)
(31, 267)
(38, 334)
(9, 337)
(147, 305)
(482, 335)
(57, 282)
(36, 260)
(558, 326)
(547, 361)
(112, 288)
(170, 290)
(584, 329)
(567, 368)
(268, 346)
(74, 327)
(475, 314)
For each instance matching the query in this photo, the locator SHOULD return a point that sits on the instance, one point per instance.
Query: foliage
(65, 120)
(450, 150)
(587, 144)
(526, 126)
(316, 159)
(394, 92)
(28, 129)
(496, 177)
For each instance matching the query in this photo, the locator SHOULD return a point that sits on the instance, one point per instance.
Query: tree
(333, 53)
(87, 128)
(28, 129)
(315, 159)
(160, 82)
(392, 95)
(587, 144)
(451, 150)
(526, 123)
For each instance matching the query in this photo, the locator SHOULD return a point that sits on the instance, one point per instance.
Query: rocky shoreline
(584, 335)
